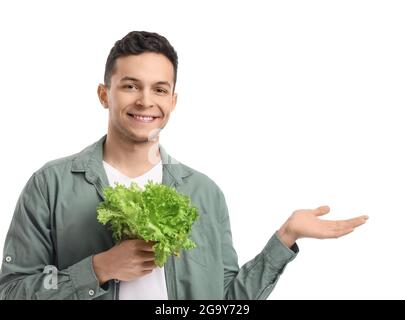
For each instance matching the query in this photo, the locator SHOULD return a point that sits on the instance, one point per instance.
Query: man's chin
(145, 138)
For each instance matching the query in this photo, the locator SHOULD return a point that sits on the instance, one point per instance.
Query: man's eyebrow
(164, 83)
(137, 80)
(130, 79)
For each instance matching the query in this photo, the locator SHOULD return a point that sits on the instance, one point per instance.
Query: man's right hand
(125, 261)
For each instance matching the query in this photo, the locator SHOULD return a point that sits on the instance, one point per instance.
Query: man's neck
(130, 157)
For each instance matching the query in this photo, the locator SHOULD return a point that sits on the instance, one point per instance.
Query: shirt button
(8, 259)
(91, 292)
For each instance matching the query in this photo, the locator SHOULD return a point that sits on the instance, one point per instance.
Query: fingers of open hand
(336, 229)
(320, 211)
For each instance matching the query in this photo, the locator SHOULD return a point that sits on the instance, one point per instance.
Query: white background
(285, 104)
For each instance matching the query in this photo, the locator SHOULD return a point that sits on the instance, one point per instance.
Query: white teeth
(143, 118)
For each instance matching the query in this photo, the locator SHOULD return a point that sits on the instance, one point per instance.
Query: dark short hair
(137, 42)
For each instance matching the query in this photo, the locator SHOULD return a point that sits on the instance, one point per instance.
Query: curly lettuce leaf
(158, 213)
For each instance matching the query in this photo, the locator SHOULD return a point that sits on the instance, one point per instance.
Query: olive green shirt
(55, 226)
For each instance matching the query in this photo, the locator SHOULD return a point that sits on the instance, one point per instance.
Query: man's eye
(130, 86)
(161, 90)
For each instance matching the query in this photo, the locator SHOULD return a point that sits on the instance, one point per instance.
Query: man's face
(140, 98)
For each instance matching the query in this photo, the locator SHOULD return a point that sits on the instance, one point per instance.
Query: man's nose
(144, 99)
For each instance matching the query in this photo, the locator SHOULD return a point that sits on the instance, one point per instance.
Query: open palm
(305, 223)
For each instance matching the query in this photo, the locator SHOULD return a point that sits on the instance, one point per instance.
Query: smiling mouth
(142, 118)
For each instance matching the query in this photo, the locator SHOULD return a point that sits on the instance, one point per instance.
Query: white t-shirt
(153, 285)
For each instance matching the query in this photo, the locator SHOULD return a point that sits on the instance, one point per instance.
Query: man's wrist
(98, 263)
(286, 237)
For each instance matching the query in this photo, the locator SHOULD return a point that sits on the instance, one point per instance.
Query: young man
(56, 249)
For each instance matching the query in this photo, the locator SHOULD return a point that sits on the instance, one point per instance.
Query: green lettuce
(158, 213)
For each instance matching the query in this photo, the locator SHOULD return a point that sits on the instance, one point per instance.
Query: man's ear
(174, 101)
(102, 95)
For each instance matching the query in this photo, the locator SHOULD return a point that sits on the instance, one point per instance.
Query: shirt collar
(90, 161)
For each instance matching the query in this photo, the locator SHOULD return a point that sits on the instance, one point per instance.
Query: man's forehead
(144, 67)
(148, 60)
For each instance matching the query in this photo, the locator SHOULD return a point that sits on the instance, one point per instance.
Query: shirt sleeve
(28, 270)
(256, 279)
